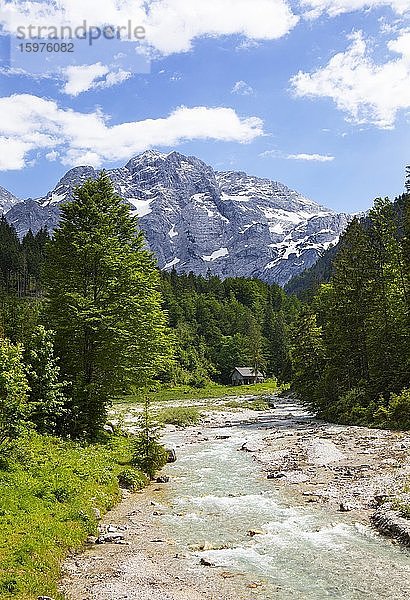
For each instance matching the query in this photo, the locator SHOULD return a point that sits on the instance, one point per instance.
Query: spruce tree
(104, 303)
(308, 359)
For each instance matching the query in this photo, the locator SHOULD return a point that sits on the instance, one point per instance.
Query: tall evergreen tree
(11, 259)
(308, 359)
(103, 302)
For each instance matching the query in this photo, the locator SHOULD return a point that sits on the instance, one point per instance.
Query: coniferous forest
(351, 343)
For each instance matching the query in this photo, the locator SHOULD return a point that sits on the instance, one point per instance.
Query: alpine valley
(203, 221)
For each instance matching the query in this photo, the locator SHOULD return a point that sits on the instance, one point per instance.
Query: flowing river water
(217, 494)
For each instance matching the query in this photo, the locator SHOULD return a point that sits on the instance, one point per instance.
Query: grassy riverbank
(49, 493)
(211, 390)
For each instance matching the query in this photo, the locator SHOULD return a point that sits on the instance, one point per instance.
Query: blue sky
(315, 94)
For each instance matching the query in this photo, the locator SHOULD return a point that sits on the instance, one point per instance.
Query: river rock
(91, 539)
(346, 507)
(171, 455)
(96, 513)
(390, 523)
(253, 532)
(110, 538)
(162, 479)
(252, 446)
(276, 475)
(380, 499)
(109, 428)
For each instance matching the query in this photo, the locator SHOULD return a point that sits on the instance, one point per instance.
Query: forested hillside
(351, 345)
(222, 324)
(305, 285)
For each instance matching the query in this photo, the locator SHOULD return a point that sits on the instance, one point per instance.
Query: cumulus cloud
(369, 93)
(30, 123)
(171, 25)
(242, 89)
(81, 78)
(315, 8)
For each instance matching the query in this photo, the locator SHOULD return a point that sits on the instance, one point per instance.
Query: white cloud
(114, 78)
(30, 123)
(337, 7)
(369, 93)
(311, 157)
(301, 156)
(52, 156)
(242, 88)
(82, 78)
(171, 25)
(176, 77)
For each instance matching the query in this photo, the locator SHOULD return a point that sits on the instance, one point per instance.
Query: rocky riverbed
(296, 485)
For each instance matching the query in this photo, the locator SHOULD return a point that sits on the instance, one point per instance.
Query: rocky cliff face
(7, 200)
(196, 219)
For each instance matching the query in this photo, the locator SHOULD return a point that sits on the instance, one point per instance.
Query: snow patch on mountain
(221, 253)
(142, 207)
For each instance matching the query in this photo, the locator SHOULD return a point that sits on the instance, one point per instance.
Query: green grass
(183, 416)
(213, 390)
(48, 490)
(259, 404)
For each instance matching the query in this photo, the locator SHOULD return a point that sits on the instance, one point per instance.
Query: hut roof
(248, 372)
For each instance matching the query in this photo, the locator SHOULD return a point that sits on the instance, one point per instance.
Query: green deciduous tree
(46, 396)
(103, 302)
(13, 391)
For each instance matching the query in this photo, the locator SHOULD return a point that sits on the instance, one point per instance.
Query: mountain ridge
(197, 219)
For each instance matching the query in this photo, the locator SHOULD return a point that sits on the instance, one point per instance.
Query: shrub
(398, 411)
(182, 416)
(132, 479)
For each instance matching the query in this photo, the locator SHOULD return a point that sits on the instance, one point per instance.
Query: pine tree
(387, 330)
(148, 454)
(33, 247)
(11, 259)
(343, 307)
(103, 302)
(256, 344)
(308, 359)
